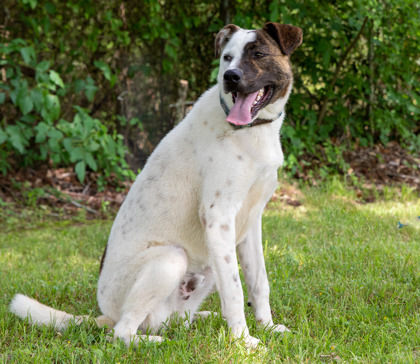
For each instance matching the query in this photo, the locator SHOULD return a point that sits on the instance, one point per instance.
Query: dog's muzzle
(232, 78)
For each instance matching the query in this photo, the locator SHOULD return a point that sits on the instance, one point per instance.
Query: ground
(374, 169)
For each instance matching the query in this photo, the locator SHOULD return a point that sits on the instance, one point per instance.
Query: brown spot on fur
(203, 220)
(212, 205)
(239, 157)
(225, 227)
(218, 194)
(235, 278)
(227, 259)
(205, 122)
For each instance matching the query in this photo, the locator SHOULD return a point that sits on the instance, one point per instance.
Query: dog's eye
(259, 55)
(227, 58)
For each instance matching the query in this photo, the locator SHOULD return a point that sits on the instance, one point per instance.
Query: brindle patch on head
(264, 64)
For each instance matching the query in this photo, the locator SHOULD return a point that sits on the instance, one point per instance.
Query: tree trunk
(324, 102)
(225, 11)
(371, 63)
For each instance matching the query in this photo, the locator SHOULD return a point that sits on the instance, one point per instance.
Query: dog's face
(255, 75)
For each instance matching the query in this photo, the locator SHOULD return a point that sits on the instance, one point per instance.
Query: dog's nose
(232, 76)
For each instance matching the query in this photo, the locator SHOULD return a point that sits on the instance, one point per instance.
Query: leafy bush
(97, 65)
(34, 132)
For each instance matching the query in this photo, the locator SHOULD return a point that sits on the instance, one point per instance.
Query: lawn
(344, 276)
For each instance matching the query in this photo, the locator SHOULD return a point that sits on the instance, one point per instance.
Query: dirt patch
(389, 165)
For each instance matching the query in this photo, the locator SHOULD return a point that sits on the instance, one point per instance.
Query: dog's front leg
(251, 257)
(219, 227)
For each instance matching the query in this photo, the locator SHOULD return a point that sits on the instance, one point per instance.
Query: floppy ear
(223, 37)
(288, 37)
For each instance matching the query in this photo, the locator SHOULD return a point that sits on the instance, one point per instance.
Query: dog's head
(255, 75)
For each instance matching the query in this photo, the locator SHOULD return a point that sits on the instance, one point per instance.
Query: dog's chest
(255, 201)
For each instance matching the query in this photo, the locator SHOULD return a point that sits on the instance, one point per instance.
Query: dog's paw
(250, 341)
(281, 329)
(103, 321)
(152, 339)
(278, 328)
(136, 340)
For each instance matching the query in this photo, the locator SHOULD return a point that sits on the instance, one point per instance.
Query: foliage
(115, 67)
(343, 291)
(34, 132)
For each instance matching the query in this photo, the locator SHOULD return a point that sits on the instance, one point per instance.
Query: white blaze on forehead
(236, 45)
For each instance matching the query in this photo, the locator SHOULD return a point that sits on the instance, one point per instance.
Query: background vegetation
(82, 82)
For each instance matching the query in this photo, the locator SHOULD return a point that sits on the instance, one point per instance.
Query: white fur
(41, 314)
(198, 202)
(235, 49)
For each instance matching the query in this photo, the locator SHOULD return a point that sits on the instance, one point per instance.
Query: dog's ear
(223, 37)
(288, 37)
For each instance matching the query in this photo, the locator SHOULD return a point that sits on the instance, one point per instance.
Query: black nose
(232, 76)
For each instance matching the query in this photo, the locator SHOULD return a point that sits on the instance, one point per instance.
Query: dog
(197, 205)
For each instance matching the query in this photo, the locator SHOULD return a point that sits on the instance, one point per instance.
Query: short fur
(197, 205)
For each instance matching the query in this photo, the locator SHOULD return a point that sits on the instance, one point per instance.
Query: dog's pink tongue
(240, 113)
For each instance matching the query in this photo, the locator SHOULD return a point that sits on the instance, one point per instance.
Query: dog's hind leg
(155, 281)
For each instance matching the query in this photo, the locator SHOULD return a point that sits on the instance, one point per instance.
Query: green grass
(344, 278)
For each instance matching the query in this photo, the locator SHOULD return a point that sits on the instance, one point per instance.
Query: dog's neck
(256, 122)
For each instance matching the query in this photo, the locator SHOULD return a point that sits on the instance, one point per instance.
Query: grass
(344, 278)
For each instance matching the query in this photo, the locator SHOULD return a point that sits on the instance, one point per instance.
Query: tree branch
(324, 101)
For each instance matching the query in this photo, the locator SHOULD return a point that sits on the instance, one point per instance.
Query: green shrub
(33, 132)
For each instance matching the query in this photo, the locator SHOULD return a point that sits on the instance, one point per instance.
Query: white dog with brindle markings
(198, 202)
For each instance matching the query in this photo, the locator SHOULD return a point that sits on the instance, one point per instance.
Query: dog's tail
(42, 315)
